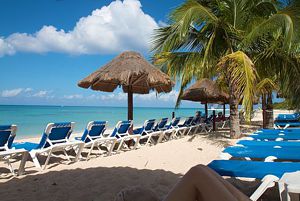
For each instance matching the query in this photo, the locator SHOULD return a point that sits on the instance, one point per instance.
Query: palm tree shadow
(95, 184)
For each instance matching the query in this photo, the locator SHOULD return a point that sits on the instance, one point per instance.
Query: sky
(47, 46)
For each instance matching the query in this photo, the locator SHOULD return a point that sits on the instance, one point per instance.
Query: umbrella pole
(130, 104)
(206, 111)
(224, 109)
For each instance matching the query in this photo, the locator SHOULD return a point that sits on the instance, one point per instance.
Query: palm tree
(203, 32)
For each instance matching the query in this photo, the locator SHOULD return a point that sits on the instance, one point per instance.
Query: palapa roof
(128, 69)
(205, 91)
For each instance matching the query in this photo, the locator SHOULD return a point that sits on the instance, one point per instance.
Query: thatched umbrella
(205, 91)
(131, 71)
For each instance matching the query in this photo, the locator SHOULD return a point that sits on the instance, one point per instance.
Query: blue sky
(47, 46)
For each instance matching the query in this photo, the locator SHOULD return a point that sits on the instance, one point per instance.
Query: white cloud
(120, 26)
(28, 90)
(11, 93)
(42, 94)
(74, 96)
(166, 97)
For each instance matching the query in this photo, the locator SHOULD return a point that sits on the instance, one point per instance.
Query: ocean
(32, 120)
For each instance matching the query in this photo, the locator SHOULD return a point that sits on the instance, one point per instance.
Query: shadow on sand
(92, 184)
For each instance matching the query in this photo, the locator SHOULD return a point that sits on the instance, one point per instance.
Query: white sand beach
(157, 167)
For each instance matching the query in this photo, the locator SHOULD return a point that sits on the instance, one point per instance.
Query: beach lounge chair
(146, 130)
(7, 135)
(267, 153)
(170, 129)
(122, 135)
(274, 137)
(158, 130)
(277, 131)
(268, 173)
(184, 128)
(275, 144)
(93, 137)
(195, 125)
(56, 138)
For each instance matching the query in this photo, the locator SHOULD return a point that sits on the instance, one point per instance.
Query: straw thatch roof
(205, 91)
(129, 69)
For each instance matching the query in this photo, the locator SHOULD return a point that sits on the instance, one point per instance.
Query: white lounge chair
(56, 138)
(7, 135)
(93, 137)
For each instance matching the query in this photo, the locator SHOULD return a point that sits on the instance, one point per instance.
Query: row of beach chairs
(284, 121)
(267, 155)
(57, 138)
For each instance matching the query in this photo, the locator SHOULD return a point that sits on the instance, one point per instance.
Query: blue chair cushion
(252, 169)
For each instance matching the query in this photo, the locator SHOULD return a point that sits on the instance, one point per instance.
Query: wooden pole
(206, 111)
(214, 120)
(264, 110)
(130, 104)
(224, 109)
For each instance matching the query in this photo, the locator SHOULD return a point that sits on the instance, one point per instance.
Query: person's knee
(197, 169)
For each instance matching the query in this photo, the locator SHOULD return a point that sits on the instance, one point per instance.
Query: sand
(156, 167)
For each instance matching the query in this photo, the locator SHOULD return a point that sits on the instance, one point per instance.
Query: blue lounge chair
(184, 128)
(268, 172)
(7, 136)
(288, 124)
(122, 135)
(159, 128)
(146, 130)
(266, 153)
(252, 169)
(93, 136)
(170, 129)
(277, 131)
(283, 144)
(288, 117)
(56, 138)
(274, 137)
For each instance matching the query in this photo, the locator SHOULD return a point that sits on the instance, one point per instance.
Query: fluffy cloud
(120, 26)
(26, 92)
(74, 96)
(41, 94)
(11, 93)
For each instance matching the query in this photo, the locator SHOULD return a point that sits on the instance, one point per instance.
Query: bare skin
(201, 183)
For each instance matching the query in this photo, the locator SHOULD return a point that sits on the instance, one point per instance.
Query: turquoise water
(32, 120)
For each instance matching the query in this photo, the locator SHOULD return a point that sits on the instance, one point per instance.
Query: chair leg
(161, 136)
(35, 160)
(48, 158)
(78, 154)
(120, 145)
(66, 154)
(112, 146)
(137, 142)
(22, 164)
(11, 169)
(90, 151)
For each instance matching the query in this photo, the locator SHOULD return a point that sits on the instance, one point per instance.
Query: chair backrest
(175, 121)
(188, 121)
(196, 120)
(56, 133)
(121, 129)
(149, 125)
(7, 135)
(94, 129)
(161, 124)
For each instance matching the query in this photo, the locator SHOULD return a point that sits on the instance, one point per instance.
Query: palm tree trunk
(235, 130)
(263, 100)
(269, 111)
